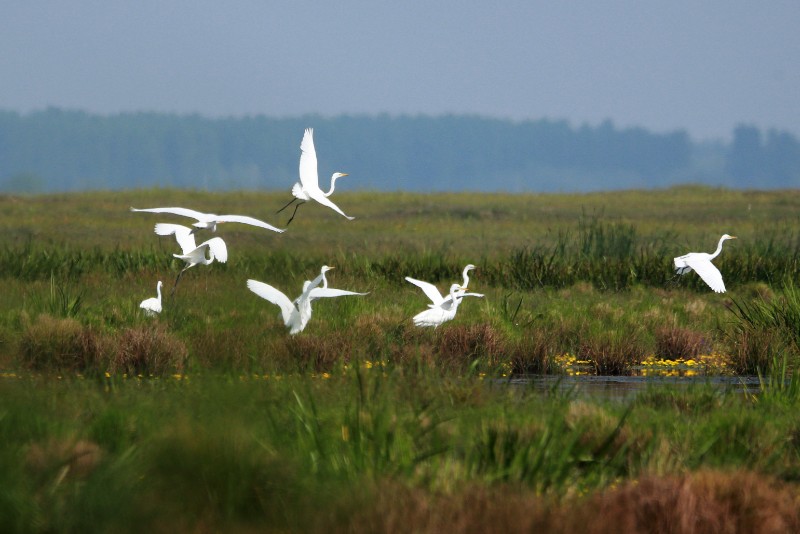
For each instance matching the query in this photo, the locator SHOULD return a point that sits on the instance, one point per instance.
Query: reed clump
(319, 353)
(674, 342)
(534, 352)
(50, 343)
(459, 345)
(612, 352)
(148, 350)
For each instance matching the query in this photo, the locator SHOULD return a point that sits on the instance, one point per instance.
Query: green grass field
(210, 417)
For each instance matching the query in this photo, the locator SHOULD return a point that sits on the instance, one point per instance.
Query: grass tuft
(148, 350)
(59, 344)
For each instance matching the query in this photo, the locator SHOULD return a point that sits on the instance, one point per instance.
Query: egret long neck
(453, 293)
(719, 248)
(333, 186)
(158, 290)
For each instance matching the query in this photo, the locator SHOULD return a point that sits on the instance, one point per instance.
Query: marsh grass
(363, 422)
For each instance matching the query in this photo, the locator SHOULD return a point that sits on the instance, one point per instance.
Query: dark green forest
(63, 150)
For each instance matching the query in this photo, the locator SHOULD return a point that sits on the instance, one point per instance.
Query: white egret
(191, 253)
(433, 293)
(296, 314)
(152, 306)
(701, 262)
(443, 309)
(209, 221)
(308, 186)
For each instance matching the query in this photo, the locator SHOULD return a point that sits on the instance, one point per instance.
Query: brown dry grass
(674, 342)
(704, 502)
(148, 350)
(65, 345)
(50, 343)
(319, 353)
(458, 345)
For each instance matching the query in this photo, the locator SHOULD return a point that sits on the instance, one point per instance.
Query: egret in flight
(296, 314)
(191, 253)
(308, 186)
(209, 221)
(442, 309)
(701, 262)
(152, 306)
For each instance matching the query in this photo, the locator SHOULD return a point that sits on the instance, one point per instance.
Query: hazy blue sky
(700, 65)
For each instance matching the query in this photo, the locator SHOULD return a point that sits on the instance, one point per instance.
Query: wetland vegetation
(211, 417)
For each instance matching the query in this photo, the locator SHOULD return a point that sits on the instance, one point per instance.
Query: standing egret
(308, 186)
(443, 309)
(701, 262)
(191, 253)
(152, 306)
(296, 314)
(209, 221)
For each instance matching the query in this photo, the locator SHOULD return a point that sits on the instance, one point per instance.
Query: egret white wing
(218, 248)
(429, 289)
(267, 292)
(308, 161)
(708, 272)
(186, 212)
(182, 234)
(244, 219)
(459, 296)
(321, 292)
(320, 197)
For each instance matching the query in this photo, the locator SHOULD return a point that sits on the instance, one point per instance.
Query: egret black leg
(295, 212)
(287, 205)
(172, 293)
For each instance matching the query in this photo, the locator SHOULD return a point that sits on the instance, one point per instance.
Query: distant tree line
(60, 150)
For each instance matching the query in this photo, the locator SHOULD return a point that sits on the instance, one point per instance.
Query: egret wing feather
(244, 219)
(459, 296)
(308, 161)
(185, 212)
(320, 292)
(183, 235)
(319, 196)
(429, 289)
(275, 296)
(707, 271)
(218, 248)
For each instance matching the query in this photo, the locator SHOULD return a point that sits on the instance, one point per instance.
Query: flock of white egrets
(297, 313)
